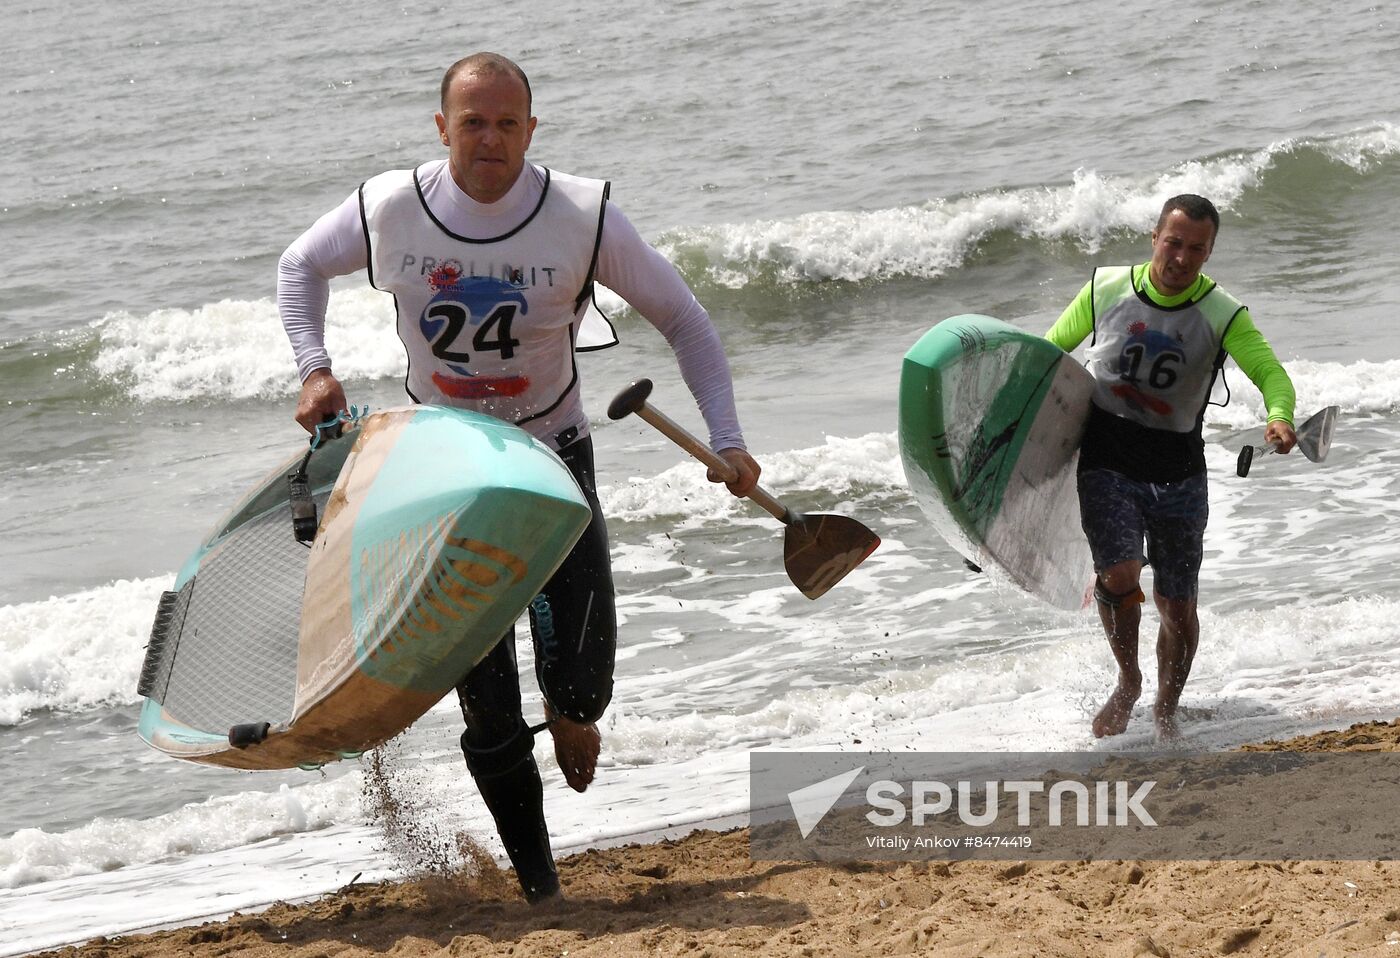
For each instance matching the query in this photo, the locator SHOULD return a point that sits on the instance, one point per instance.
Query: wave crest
(237, 349)
(933, 238)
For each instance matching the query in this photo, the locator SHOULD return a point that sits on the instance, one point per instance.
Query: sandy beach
(702, 895)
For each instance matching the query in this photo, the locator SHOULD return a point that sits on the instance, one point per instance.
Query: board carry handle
(633, 401)
(333, 426)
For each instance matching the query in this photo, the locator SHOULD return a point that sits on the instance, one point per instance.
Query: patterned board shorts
(1119, 513)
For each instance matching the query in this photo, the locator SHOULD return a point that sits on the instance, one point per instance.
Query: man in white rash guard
(492, 261)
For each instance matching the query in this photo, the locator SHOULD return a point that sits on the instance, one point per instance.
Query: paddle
(1314, 439)
(819, 548)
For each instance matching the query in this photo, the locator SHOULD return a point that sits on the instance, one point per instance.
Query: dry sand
(702, 896)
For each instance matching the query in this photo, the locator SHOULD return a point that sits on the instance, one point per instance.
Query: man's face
(486, 127)
(1180, 247)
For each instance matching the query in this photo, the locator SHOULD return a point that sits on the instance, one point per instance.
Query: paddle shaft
(681, 437)
(819, 548)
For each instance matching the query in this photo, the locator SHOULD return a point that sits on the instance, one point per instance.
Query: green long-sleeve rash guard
(1243, 341)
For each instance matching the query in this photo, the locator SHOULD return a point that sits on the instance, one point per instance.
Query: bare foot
(1165, 719)
(1113, 717)
(576, 748)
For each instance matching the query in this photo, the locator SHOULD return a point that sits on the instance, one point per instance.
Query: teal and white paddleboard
(437, 527)
(990, 419)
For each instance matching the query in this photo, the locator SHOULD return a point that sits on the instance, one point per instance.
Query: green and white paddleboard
(990, 419)
(437, 528)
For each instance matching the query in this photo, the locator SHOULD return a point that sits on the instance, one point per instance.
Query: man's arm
(630, 267)
(1076, 323)
(333, 246)
(1256, 359)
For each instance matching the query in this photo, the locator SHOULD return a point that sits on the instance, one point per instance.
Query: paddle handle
(633, 401)
(1247, 455)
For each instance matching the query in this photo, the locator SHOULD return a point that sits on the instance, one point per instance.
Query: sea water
(832, 180)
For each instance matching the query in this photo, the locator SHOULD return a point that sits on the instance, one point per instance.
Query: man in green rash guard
(1158, 335)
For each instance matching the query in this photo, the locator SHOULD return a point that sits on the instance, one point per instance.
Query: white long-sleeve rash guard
(335, 246)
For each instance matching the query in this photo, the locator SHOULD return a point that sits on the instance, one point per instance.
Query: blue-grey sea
(832, 179)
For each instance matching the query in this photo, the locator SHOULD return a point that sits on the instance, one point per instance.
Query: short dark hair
(486, 63)
(1195, 207)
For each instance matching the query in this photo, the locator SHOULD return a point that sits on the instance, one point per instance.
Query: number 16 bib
(1155, 364)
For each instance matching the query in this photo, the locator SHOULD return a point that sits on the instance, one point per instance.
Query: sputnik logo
(810, 804)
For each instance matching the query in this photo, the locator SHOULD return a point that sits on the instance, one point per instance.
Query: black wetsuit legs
(574, 627)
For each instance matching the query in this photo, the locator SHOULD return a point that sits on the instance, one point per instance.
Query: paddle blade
(1315, 435)
(821, 548)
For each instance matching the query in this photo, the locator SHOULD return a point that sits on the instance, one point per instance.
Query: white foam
(228, 821)
(1361, 149)
(236, 349)
(185, 889)
(1358, 388)
(75, 652)
(839, 466)
(1333, 659)
(656, 554)
(933, 238)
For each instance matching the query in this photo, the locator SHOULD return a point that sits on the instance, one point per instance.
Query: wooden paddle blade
(821, 548)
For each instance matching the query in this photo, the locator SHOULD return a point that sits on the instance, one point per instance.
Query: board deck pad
(990, 420)
(238, 651)
(437, 528)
